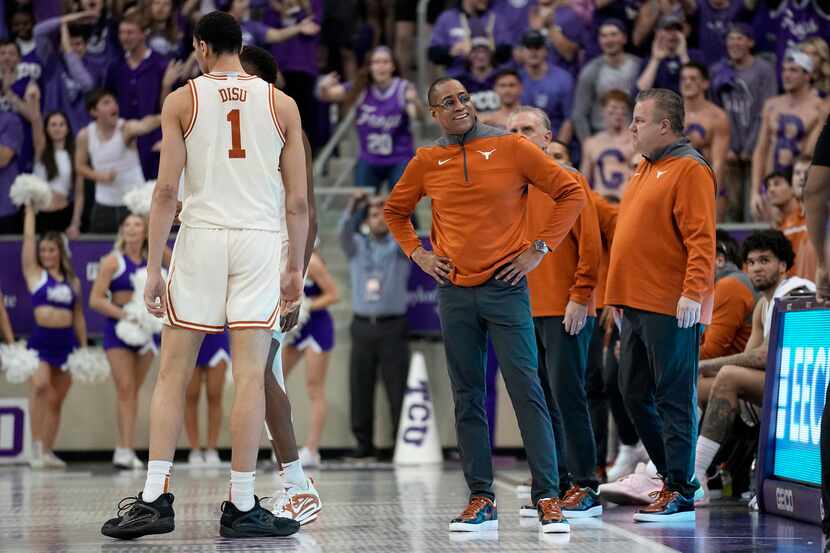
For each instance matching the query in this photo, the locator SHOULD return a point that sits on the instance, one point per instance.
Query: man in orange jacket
(477, 177)
(564, 315)
(662, 276)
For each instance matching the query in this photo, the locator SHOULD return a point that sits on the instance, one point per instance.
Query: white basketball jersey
(234, 141)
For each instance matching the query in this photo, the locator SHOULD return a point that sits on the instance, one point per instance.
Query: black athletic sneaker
(138, 518)
(256, 523)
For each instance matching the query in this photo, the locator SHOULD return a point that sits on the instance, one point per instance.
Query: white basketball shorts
(224, 276)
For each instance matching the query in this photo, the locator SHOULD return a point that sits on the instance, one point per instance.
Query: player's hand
(514, 271)
(154, 298)
(291, 289)
(823, 285)
(575, 316)
(688, 312)
(435, 266)
(290, 317)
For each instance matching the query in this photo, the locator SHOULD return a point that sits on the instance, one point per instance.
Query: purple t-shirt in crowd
(484, 97)
(792, 22)
(66, 77)
(578, 31)
(102, 48)
(11, 136)
(713, 26)
(514, 15)
(383, 125)
(138, 92)
(553, 93)
(297, 54)
(453, 26)
(26, 72)
(253, 32)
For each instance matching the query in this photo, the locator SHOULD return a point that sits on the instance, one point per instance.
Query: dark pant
(611, 375)
(380, 344)
(658, 381)
(57, 221)
(106, 219)
(468, 314)
(563, 360)
(595, 389)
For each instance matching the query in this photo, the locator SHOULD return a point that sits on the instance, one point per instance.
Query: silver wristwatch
(540, 246)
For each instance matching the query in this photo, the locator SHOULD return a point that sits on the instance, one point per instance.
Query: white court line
(641, 540)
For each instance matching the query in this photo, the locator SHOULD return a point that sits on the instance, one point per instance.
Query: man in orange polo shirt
(662, 276)
(564, 316)
(477, 177)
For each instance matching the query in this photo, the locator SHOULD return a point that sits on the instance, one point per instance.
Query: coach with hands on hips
(477, 178)
(662, 276)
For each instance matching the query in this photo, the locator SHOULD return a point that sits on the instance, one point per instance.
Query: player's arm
(293, 167)
(139, 127)
(166, 191)
(312, 203)
(720, 148)
(755, 353)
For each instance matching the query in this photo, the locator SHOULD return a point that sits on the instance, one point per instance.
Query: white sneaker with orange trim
(299, 503)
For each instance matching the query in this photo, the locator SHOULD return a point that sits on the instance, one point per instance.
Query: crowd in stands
(754, 75)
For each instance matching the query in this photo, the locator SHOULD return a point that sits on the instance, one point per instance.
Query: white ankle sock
(158, 480)
(704, 454)
(293, 474)
(242, 490)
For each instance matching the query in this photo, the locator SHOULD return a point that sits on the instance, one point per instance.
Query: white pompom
(19, 362)
(29, 188)
(88, 365)
(131, 333)
(138, 200)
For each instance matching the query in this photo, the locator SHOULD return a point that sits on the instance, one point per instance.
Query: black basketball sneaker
(138, 518)
(256, 523)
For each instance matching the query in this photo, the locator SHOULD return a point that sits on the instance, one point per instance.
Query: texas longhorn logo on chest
(487, 154)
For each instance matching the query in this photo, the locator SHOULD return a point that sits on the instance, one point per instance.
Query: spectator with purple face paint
(480, 78)
(260, 34)
(67, 72)
(789, 22)
(741, 83)
(385, 105)
(453, 33)
(546, 86)
(141, 80)
(11, 140)
(18, 80)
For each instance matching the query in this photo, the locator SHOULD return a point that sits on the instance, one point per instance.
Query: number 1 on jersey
(236, 151)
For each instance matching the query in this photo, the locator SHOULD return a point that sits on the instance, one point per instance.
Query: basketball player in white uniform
(239, 142)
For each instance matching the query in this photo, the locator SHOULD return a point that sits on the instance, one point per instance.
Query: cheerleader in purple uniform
(211, 364)
(129, 364)
(314, 340)
(59, 328)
